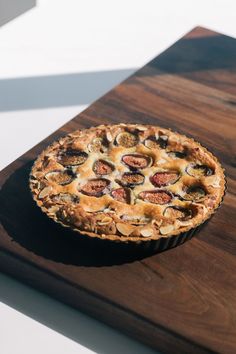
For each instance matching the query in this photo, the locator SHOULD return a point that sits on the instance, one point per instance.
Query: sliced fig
(177, 212)
(121, 195)
(136, 161)
(153, 143)
(194, 193)
(72, 157)
(98, 144)
(163, 141)
(177, 154)
(157, 197)
(161, 179)
(198, 171)
(127, 139)
(131, 179)
(65, 198)
(95, 187)
(60, 177)
(102, 167)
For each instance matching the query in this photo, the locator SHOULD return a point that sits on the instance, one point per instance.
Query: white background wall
(55, 60)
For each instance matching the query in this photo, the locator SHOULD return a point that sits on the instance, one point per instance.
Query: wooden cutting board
(179, 301)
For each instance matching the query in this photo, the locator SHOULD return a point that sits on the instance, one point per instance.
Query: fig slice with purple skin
(137, 161)
(60, 177)
(98, 144)
(194, 193)
(177, 154)
(72, 157)
(65, 198)
(131, 179)
(127, 139)
(121, 195)
(178, 212)
(156, 197)
(198, 171)
(95, 187)
(161, 179)
(163, 141)
(153, 143)
(102, 167)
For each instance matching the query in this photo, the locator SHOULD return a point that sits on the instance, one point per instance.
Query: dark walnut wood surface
(179, 301)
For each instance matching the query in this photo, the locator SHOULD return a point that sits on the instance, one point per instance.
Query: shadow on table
(11, 9)
(26, 225)
(69, 322)
(58, 90)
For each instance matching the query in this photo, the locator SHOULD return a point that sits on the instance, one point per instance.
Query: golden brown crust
(127, 182)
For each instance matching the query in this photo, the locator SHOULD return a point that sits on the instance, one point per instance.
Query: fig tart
(129, 183)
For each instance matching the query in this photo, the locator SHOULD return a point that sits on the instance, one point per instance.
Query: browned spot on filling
(177, 212)
(102, 167)
(161, 179)
(199, 170)
(156, 197)
(121, 195)
(95, 187)
(194, 193)
(60, 177)
(127, 139)
(46, 161)
(72, 157)
(130, 179)
(136, 161)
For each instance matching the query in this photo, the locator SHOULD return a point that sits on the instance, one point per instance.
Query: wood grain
(179, 301)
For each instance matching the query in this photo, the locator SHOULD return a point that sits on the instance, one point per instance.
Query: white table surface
(55, 60)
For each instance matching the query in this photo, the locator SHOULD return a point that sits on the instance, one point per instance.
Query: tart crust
(127, 182)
